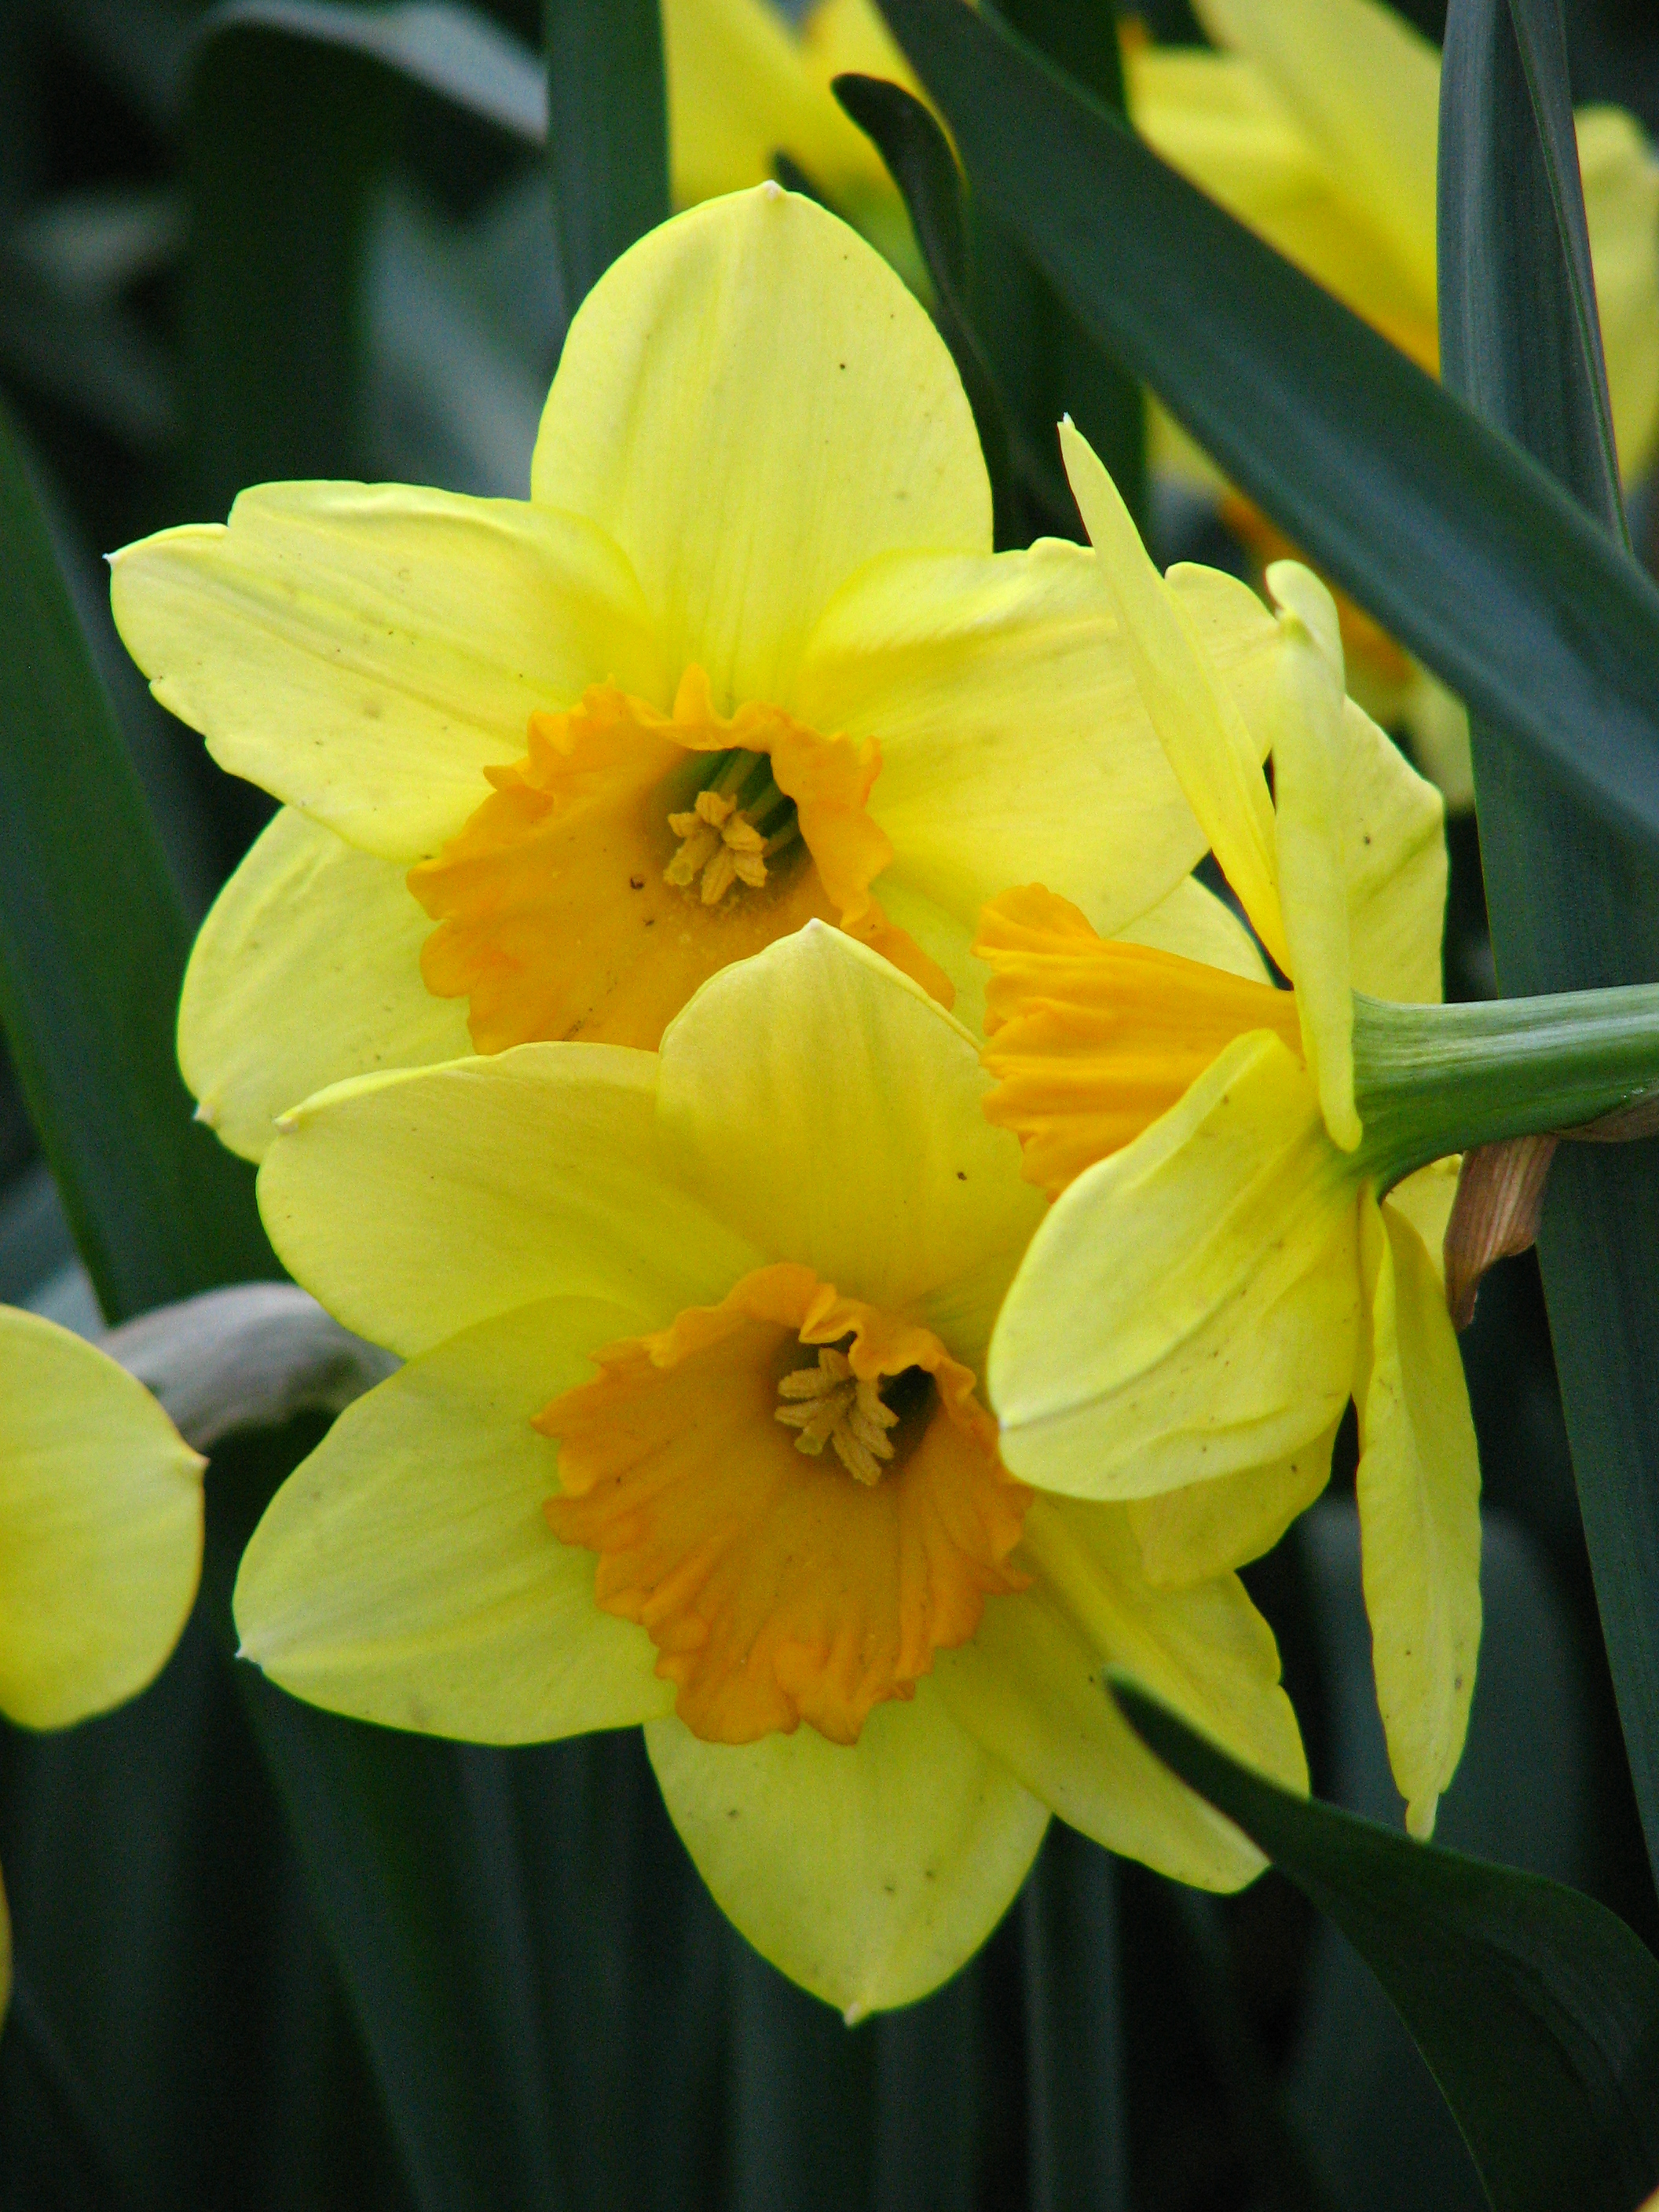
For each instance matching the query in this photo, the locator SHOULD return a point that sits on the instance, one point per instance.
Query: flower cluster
(875, 1241)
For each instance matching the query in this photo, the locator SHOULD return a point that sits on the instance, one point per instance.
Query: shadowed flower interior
(631, 855)
(1090, 1041)
(787, 1576)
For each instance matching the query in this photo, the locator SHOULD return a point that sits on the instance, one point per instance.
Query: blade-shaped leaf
(607, 132)
(93, 942)
(921, 163)
(1568, 907)
(1462, 546)
(1537, 2009)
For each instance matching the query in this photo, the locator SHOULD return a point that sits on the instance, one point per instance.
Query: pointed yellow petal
(741, 90)
(867, 1873)
(365, 652)
(1310, 815)
(1419, 1513)
(416, 1205)
(1188, 1535)
(1190, 1305)
(1014, 745)
(1426, 1199)
(1395, 859)
(1030, 1687)
(405, 1572)
(1365, 86)
(824, 1105)
(1198, 723)
(752, 406)
(305, 971)
(100, 1527)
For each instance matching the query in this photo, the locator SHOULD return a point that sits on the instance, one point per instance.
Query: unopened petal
(405, 1573)
(868, 1873)
(1199, 723)
(366, 651)
(752, 406)
(1420, 1514)
(100, 1527)
(305, 971)
(416, 1205)
(828, 1109)
(1032, 1686)
(1190, 1306)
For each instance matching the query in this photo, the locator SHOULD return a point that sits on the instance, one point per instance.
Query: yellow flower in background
(745, 85)
(743, 659)
(100, 1535)
(1318, 126)
(691, 1435)
(1219, 1275)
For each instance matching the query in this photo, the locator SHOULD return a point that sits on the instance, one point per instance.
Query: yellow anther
(718, 844)
(831, 1406)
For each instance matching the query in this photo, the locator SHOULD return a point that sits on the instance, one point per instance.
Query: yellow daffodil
(745, 85)
(690, 1434)
(1318, 126)
(100, 1535)
(1220, 1271)
(745, 657)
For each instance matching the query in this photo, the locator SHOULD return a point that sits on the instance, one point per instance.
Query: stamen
(830, 1406)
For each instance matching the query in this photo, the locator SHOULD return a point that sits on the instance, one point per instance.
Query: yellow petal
(365, 652)
(405, 1572)
(1311, 814)
(1419, 1513)
(1366, 88)
(1187, 1536)
(305, 971)
(828, 1109)
(868, 1873)
(1621, 209)
(1193, 923)
(1199, 723)
(1030, 1687)
(100, 1527)
(752, 406)
(1014, 745)
(1426, 1199)
(741, 90)
(416, 1205)
(1394, 861)
(1190, 1305)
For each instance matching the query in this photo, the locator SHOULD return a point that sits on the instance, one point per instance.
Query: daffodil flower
(744, 657)
(1318, 126)
(100, 1535)
(745, 85)
(1222, 1269)
(691, 1435)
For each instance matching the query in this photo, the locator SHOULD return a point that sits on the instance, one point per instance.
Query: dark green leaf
(1079, 2151)
(1459, 544)
(93, 942)
(920, 161)
(607, 132)
(1536, 2008)
(1570, 906)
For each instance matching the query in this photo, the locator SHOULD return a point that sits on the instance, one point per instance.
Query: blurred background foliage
(231, 253)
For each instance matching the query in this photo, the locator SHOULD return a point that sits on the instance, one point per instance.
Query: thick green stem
(1433, 1080)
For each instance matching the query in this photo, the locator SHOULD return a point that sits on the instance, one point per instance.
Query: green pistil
(1430, 1081)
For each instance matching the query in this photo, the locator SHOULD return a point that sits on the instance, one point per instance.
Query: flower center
(776, 1590)
(1090, 1041)
(631, 855)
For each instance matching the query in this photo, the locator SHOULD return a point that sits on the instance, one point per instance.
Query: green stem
(1433, 1080)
